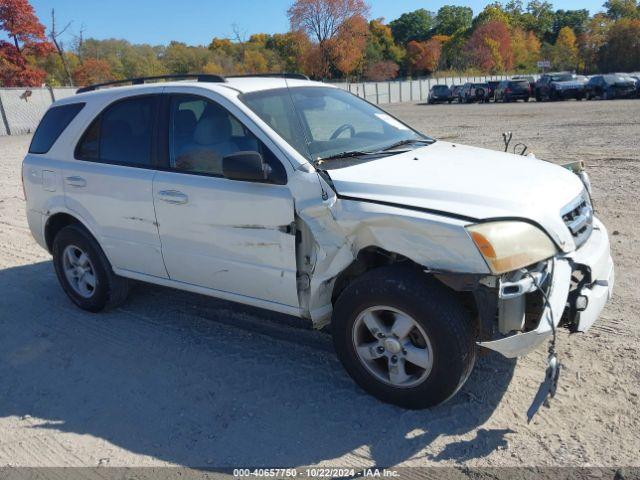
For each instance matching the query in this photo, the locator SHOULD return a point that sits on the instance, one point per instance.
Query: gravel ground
(177, 379)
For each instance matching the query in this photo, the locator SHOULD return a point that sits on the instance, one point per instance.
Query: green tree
(414, 25)
(539, 17)
(380, 44)
(451, 19)
(492, 12)
(617, 9)
(575, 19)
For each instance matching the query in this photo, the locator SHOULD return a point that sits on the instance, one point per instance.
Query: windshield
(440, 88)
(562, 77)
(320, 122)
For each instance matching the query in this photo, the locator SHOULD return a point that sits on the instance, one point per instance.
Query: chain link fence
(22, 108)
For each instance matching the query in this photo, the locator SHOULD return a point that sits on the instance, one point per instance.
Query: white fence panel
(24, 107)
(64, 92)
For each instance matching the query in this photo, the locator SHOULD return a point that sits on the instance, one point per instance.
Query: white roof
(238, 84)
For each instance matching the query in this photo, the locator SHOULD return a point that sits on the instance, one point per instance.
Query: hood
(466, 182)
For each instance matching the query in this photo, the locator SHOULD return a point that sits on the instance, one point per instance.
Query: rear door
(109, 183)
(228, 235)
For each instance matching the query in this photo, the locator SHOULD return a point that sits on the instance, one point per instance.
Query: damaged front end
(568, 290)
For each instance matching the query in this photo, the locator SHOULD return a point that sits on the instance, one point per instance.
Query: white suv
(298, 197)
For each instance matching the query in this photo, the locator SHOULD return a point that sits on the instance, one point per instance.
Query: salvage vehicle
(455, 93)
(530, 79)
(439, 94)
(301, 198)
(474, 92)
(512, 90)
(560, 86)
(612, 86)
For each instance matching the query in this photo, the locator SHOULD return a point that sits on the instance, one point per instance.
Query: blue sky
(197, 21)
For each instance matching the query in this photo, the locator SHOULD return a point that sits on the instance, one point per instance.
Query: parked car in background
(439, 94)
(455, 93)
(474, 92)
(636, 77)
(512, 90)
(528, 78)
(560, 86)
(492, 88)
(610, 86)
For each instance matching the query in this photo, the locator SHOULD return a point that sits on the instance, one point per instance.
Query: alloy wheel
(392, 346)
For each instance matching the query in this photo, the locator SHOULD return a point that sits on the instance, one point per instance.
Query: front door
(228, 235)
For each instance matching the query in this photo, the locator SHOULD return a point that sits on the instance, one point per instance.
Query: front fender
(437, 242)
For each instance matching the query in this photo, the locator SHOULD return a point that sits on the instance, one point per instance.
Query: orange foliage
(92, 71)
(19, 23)
(424, 56)
(489, 47)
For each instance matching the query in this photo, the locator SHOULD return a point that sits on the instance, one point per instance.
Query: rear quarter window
(52, 125)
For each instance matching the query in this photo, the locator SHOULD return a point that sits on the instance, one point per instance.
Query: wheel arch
(371, 257)
(57, 222)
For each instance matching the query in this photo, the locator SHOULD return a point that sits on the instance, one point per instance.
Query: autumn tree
(526, 50)
(27, 38)
(592, 41)
(564, 54)
(424, 57)
(621, 50)
(412, 26)
(381, 71)
(489, 47)
(291, 47)
(324, 21)
(348, 48)
(92, 71)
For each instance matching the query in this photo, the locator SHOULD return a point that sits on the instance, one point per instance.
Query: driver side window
(202, 133)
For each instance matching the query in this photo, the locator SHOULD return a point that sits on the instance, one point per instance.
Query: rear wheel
(84, 271)
(403, 337)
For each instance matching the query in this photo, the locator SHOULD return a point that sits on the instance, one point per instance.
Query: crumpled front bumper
(593, 257)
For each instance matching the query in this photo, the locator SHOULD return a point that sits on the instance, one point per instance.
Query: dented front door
(228, 235)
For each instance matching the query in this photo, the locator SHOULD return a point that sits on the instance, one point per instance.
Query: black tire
(110, 290)
(526, 99)
(434, 307)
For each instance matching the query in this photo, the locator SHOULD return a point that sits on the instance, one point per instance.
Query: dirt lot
(174, 378)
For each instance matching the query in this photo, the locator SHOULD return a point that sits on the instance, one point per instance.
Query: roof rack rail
(200, 77)
(298, 76)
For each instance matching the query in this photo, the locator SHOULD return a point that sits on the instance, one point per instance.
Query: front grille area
(578, 217)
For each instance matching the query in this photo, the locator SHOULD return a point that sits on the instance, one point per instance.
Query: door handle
(76, 181)
(173, 196)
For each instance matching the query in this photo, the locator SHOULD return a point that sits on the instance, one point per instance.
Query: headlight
(510, 245)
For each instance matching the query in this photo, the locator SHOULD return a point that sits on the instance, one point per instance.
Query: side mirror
(245, 166)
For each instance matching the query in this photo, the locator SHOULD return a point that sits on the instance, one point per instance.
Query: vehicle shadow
(195, 381)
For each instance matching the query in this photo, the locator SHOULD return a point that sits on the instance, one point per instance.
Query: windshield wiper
(351, 154)
(408, 141)
(383, 151)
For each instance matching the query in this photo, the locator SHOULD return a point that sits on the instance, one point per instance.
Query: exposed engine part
(518, 149)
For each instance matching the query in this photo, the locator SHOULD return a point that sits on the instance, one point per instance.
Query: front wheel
(403, 337)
